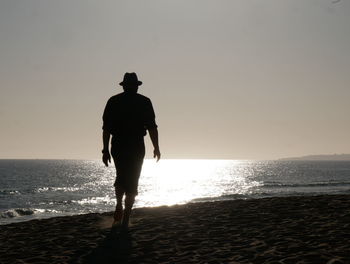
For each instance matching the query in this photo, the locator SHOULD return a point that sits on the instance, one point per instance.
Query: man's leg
(129, 202)
(118, 214)
(119, 191)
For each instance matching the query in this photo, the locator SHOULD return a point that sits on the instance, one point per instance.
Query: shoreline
(23, 218)
(312, 229)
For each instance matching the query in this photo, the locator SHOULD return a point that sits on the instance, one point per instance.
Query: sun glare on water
(179, 181)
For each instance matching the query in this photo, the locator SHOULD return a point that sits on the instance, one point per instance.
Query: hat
(130, 78)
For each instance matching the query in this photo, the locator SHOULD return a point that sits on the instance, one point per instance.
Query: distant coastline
(333, 157)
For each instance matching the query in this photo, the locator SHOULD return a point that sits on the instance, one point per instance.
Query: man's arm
(106, 156)
(153, 133)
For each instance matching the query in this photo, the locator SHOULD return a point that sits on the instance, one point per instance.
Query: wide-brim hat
(130, 78)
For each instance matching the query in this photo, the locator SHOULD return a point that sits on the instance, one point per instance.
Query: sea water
(32, 189)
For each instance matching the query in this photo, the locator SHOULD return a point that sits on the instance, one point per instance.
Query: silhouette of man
(127, 117)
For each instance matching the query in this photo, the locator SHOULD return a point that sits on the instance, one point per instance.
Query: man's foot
(126, 217)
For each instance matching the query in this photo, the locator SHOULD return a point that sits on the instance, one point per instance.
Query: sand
(314, 229)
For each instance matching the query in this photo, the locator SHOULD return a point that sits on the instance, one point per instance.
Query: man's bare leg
(129, 202)
(118, 214)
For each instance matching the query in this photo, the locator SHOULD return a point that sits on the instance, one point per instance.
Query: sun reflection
(179, 181)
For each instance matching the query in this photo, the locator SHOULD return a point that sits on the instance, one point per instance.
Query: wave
(9, 192)
(57, 189)
(264, 194)
(222, 197)
(316, 184)
(38, 190)
(17, 212)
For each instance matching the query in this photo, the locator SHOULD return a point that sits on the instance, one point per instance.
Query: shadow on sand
(115, 248)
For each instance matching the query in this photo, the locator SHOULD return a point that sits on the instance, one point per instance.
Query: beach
(300, 229)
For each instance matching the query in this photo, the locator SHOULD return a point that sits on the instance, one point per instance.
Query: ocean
(32, 189)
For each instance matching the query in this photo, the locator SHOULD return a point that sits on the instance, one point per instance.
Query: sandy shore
(273, 230)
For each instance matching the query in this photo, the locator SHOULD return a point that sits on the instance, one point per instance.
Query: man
(127, 117)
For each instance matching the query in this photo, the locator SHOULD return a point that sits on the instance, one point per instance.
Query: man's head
(130, 82)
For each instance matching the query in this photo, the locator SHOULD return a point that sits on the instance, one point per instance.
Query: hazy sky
(248, 79)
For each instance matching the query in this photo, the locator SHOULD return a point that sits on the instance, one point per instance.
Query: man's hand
(153, 133)
(106, 157)
(156, 154)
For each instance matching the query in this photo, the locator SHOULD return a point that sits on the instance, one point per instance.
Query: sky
(229, 79)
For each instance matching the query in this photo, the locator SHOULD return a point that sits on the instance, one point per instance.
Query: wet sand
(314, 229)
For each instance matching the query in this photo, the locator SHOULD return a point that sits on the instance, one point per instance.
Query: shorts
(128, 155)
